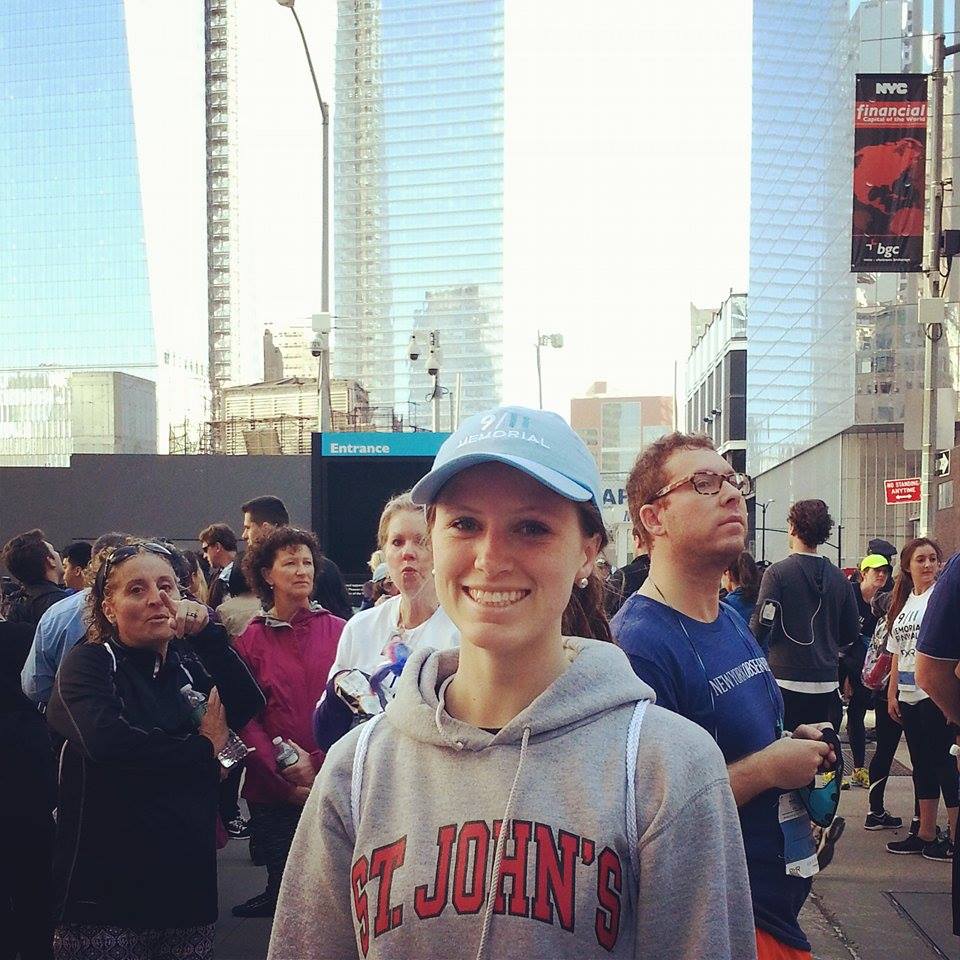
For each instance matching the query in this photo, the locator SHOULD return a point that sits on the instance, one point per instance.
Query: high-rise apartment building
(833, 355)
(418, 187)
(101, 218)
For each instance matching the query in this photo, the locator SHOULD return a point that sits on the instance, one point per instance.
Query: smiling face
(507, 553)
(134, 600)
(291, 575)
(924, 567)
(407, 552)
(710, 528)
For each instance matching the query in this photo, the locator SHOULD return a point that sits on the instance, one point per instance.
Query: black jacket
(30, 603)
(624, 583)
(136, 842)
(805, 613)
(25, 751)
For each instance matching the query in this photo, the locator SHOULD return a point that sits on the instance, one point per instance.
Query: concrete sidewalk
(871, 905)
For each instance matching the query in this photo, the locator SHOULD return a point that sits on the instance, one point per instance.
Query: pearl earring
(583, 583)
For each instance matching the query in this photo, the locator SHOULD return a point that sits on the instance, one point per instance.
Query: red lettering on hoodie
(473, 834)
(426, 906)
(555, 876)
(358, 880)
(515, 867)
(609, 887)
(383, 862)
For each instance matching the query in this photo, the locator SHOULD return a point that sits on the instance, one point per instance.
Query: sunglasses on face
(709, 483)
(125, 553)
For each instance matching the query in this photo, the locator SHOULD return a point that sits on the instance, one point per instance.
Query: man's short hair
(26, 556)
(78, 553)
(649, 473)
(267, 510)
(218, 533)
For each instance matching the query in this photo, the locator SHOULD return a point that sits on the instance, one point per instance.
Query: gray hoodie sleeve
(692, 864)
(314, 916)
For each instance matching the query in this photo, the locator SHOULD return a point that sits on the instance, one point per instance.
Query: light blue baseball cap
(540, 444)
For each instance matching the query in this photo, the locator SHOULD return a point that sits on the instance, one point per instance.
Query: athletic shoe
(882, 821)
(940, 849)
(860, 778)
(911, 843)
(828, 840)
(262, 905)
(238, 829)
(845, 783)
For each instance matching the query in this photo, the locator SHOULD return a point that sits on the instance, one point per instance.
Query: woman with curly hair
(289, 648)
(135, 864)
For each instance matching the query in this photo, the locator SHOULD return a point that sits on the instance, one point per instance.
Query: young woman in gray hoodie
(520, 797)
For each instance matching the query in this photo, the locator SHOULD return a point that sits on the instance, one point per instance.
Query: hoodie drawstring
(498, 856)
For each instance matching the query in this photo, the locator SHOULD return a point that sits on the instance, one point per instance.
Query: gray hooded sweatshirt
(413, 878)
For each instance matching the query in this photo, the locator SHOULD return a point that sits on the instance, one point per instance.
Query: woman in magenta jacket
(289, 648)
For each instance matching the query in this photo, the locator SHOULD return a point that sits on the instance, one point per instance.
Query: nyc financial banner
(890, 137)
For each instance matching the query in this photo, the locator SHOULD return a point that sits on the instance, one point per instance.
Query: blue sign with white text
(381, 444)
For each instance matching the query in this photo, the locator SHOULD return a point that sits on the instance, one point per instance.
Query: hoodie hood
(598, 668)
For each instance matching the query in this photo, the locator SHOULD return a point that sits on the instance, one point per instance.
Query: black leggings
(860, 702)
(888, 739)
(811, 708)
(929, 739)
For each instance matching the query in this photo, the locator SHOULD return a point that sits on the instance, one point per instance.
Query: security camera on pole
(434, 358)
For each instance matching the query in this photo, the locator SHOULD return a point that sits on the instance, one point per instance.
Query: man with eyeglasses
(688, 506)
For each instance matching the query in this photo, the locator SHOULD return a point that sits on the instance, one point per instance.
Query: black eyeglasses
(709, 483)
(125, 553)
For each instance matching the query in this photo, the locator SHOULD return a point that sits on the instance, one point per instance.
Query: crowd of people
(643, 760)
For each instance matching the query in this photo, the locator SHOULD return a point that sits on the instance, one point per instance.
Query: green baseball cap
(872, 561)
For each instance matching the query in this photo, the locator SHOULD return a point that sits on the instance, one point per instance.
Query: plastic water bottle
(196, 701)
(286, 755)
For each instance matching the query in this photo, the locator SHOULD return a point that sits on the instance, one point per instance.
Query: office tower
(418, 188)
(833, 355)
(101, 220)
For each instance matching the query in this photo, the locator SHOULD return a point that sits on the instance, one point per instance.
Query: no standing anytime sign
(902, 491)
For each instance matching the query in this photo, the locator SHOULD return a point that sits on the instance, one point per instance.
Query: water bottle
(196, 701)
(286, 755)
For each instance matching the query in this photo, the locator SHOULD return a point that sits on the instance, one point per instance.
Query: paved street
(868, 905)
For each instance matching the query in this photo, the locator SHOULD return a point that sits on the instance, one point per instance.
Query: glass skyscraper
(833, 355)
(97, 230)
(418, 187)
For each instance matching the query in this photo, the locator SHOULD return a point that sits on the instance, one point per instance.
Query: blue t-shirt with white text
(716, 675)
(939, 631)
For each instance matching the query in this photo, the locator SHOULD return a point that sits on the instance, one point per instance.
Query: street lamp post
(545, 340)
(933, 332)
(763, 535)
(325, 416)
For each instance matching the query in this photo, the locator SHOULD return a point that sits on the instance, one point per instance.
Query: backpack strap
(356, 781)
(633, 744)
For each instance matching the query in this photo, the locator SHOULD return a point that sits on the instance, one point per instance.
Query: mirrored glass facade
(418, 187)
(802, 302)
(75, 271)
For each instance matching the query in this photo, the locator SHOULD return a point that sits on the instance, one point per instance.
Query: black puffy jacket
(136, 823)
